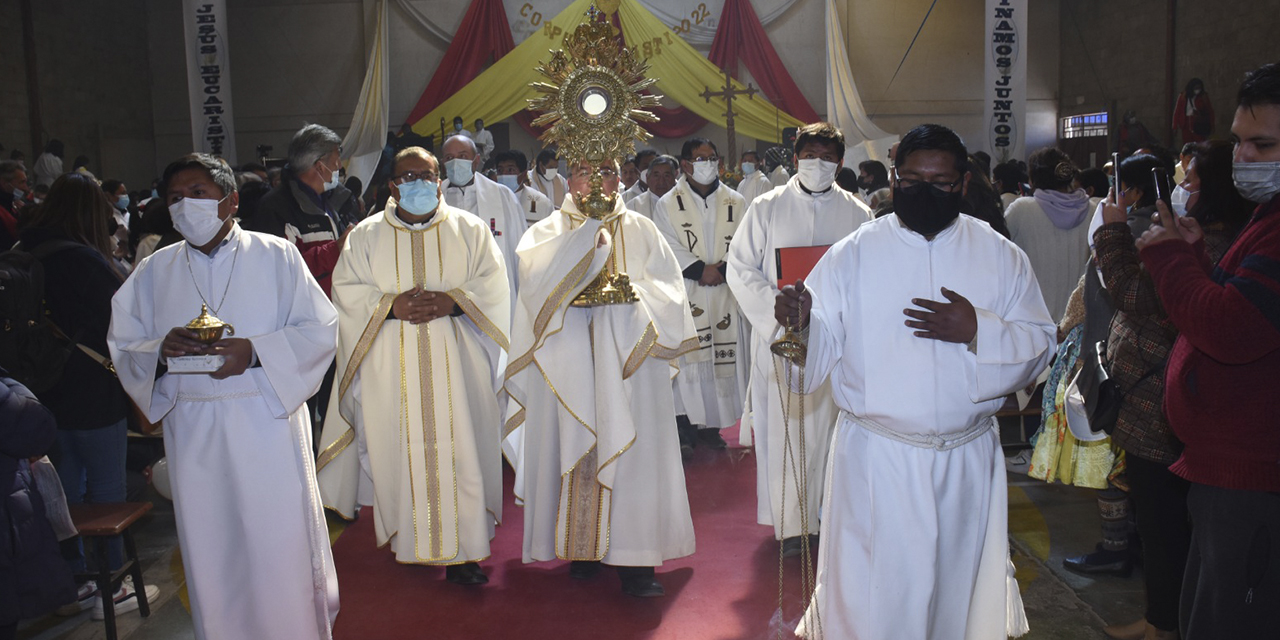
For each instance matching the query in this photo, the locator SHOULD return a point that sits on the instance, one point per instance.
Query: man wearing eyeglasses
(603, 482)
(698, 218)
(424, 313)
(923, 321)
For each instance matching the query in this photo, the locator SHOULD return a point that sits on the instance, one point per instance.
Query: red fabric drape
(740, 34)
(484, 35)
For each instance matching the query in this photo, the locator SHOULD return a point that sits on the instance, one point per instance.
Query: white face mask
(1178, 199)
(1257, 181)
(510, 182)
(549, 174)
(748, 168)
(197, 219)
(704, 172)
(333, 178)
(460, 171)
(816, 174)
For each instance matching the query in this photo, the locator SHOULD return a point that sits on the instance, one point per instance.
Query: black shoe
(1101, 563)
(466, 573)
(792, 546)
(712, 438)
(584, 569)
(688, 437)
(639, 582)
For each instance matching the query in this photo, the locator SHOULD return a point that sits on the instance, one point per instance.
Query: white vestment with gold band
(602, 473)
(419, 402)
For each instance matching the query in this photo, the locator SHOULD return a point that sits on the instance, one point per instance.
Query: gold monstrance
(591, 105)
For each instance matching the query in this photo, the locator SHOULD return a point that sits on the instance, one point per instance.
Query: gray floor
(1053, 522)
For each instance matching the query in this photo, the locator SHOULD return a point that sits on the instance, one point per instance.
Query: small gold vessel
(790, 346)
(209, 329)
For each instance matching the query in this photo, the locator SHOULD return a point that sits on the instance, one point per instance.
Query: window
(1086, 125)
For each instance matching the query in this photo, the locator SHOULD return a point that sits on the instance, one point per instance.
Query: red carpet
(727, 590)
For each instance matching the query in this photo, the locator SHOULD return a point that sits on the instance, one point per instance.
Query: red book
(795, 263)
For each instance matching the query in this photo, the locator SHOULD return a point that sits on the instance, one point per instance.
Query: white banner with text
(209, 78)
(1005, 94)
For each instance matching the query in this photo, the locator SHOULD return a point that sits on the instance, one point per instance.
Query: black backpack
(32, 348)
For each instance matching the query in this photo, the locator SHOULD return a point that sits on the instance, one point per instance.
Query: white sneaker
(86, 595)
(126, 599)
(1019, 462)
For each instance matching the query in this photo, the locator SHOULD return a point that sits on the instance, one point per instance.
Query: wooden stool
(103, 521)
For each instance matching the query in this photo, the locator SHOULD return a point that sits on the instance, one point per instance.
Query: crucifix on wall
(729, 93)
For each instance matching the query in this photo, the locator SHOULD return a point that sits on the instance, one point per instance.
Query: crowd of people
(392, 345)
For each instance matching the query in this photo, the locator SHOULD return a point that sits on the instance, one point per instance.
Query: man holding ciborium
(231, 387)
(600, 319)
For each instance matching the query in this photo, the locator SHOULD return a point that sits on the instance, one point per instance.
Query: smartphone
(1163, 186)
(1115, 178)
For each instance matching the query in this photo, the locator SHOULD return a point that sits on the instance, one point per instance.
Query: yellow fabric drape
(682, 73)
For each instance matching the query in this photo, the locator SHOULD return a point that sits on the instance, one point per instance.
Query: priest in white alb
(662, 173)
(754, 182)
(545, 177)
(466, 188)
(698, 218)
(603, 477)
(923, 321)
(808, 212)
(255, 547)
(425, 305)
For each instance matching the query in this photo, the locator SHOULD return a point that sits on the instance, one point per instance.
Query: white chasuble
(420, 402)
(254, 542)
(786, 217)
(500, 211)
(603, 479)
(914, 529)
(707, 388)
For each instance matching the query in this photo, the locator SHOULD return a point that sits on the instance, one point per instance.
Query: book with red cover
(795, 263)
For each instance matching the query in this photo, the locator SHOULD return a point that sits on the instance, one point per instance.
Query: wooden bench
(102, 522)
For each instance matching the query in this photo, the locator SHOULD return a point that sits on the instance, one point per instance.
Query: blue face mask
(122, 203)
(510, 182)
(155, 194)
(460, 171)
(419, 197)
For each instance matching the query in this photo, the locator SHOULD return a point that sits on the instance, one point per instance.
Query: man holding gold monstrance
(600, 318)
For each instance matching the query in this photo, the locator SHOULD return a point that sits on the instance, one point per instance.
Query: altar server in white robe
(513, 173)
(255, 547)
(754, 182)
(779, 176)
(603, 476)
(662, 173)
(495, 205)
(545, 177)
(809, 212)
(425, 308)
(643, 158)
(698, 218)
(923, 321)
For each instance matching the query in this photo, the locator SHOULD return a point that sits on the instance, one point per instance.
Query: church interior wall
(93, 77)
(1114, 56)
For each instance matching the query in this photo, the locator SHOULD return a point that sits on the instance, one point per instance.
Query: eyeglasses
(586, 173)
(710, 158)
(945, 187)
(410, 176)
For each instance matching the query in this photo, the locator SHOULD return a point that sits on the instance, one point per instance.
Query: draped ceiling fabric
(863, 139)
(502, 90)
(484, 35)
(367, 134)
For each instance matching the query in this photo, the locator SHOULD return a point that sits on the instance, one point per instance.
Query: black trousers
(1232, 584)
(1160, 506)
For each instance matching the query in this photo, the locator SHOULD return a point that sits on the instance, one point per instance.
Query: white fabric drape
(863, 139)
(701, 35)
(368, 131)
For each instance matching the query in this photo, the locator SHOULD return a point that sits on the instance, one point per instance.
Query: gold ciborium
(209, 329)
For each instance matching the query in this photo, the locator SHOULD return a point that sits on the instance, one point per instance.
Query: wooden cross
(728, 92)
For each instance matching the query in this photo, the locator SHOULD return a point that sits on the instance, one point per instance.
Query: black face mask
(865, 185)
(925, 209)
